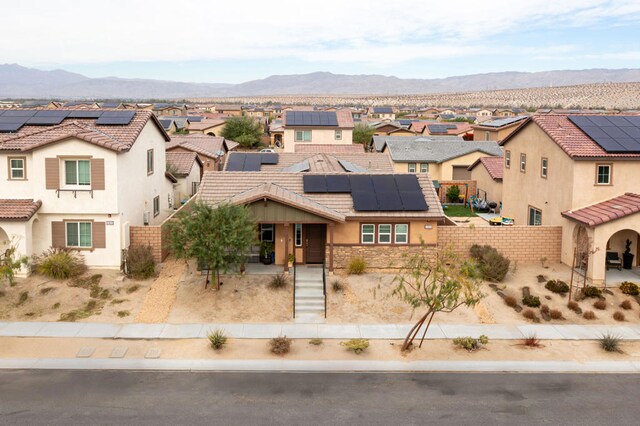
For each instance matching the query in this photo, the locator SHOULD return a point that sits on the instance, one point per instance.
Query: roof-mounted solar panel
(235, 162)
(350, 167)
(389, 201)
(85, 114)
(269, 158)
(252, 163)
(384, 183)
(614, 134)
(52, 113)
(408, 182)
(361, 183)
(413, 201)
(338, 184)
(20, 113)
(10, 127)
(44, 121)
(115, 118)
(365, 201)
(314, 184)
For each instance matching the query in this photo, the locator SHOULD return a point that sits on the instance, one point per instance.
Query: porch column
(331, 247)
(286, 247)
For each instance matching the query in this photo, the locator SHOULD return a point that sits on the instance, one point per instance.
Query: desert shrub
(530, 315)
(337, 285)
(618, 316)
(531, 341)
(46, 290)
(92, 307)
(59, 264)
(133, 289)
(24, 296)
(85, 282)
(123, 314)
(357, 266)
(626, 305)
(471, 344)
(629, 288)
(600, 304)
(217, 339)
(493, 266)
(610, 343)
(541, 278)
(590, 291)
(278, 281)
(356, 345)
(510, 301)
(555, 314)
(544, 309)
(315, 342)
(56, 305)
(589, 315)
(531, 301)
(557, 286)
(573, 305)
(280, 345)
(140, 262)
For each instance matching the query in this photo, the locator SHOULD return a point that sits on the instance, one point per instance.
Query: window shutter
(99, 236)
(57, 235)
(97, 173)
(52, 173)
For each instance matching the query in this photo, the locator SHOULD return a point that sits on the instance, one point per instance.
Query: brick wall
(152, 236)
(446, 184)
(377, 257)
(525, 244)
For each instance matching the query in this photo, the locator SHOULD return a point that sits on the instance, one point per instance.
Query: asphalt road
(155, 398)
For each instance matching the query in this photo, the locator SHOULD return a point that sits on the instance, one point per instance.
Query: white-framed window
(424, 167)
(384, 234)
(338, 135)
(150, 161)
(411, 167)
(298, 235)
(535, 216)
(368, 234)
(17, 168)
(303, 135)
(544, 166)
(603, 174)
(523, 163)
(507, 159)
(267, 232)
(77, 173)
(156, 205)
(401, 233)
(78, 234)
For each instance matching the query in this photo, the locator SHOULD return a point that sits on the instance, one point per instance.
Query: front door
(315, 236)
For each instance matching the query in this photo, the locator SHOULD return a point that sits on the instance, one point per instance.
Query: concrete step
(308, 292)
(310, 303)
(310, 318)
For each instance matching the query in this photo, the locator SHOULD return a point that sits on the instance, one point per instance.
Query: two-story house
(579, 172)
(317, 127)
(79, 179)
(496, 130)
(382, 113)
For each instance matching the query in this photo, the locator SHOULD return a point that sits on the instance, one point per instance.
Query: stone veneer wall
(376, 256)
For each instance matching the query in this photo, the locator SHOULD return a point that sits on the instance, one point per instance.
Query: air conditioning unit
(146, 217)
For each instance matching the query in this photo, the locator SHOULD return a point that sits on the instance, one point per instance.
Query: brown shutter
(52, 173)
(97, 173)
(99, 236)
(57, 235)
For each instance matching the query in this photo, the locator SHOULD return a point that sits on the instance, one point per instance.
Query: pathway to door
(159, 300)
(310, 296)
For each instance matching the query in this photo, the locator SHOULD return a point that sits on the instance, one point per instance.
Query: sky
(235, 41)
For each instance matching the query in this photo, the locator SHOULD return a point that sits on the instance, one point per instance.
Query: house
(187, 168)
(80, 179)
(383, 113)
(504, 112)
(355, 148)
(163, 109)
(312, 162)
(496, 130)
(317, 127)
(488, 172)
(81, 105)
(168, 125)
(445, 158)
(210, 127)
(453, 129)
(211, 150)
(174, 124)
(41, 104)
(392, 128)
(579, 172)
(485, 112)
(230, 110)
(276, 133)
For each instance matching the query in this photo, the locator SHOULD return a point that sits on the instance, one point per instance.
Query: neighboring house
(178, 123)
(488, 172)
(41, 104)
(317, 127)
(392, 128)
(211, 150)
(111, 105)
(496, 130)
(355, 148)
(168, 125)
(312, 162)
(485, 112)
(443, 128)
(81, 105)
(230, 110)
(505, 112)
(187, 168)
(276, 133)
(581, 173)
(383, 113)
(80, 179)
(444, 159)
(162, 109)
(210, 127)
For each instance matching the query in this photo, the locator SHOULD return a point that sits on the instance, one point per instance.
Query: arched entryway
(4, 241)
(622, 258)
(211, 134)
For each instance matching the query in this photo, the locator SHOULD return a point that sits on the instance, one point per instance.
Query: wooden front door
(314, 243)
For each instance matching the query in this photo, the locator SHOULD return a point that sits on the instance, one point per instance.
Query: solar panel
(384, 183)
(364, 201)
(85, 114)
(269, 158)
(53, 113)
(360, 183)
(350, 167)
(311, 118)
(115, 118)
(439, 128)
(314, 184)
(252, 163)
(338, 184)
(10, 127)
(235, 163)
(614, 134)
(20, 113)
(407, 182)
(389, 201)
(413, 201)
(302, 166)
(44, 121)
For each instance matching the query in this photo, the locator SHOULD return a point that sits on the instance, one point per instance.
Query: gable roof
(208, 146)
(382, 110)
(325, 162)
(606, 211)
(379, 142)
(206, 124)
(182, 162)
(493, 165)
(343, 118)
(18, 210)
(501, 123)
(314, 148)
(437, 151)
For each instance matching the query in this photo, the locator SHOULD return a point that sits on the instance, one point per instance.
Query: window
(78, 234)
(338, 135)
(507, 159)
(368, 234)
(523, 163)
(298, 235)
(402, 233)
(266, 232)
(384, 234)
(156, 205)
(486, 136)
(17, 168)
(424, 167)
(603, 174)
(535, 216)
(411, 167)
(544, 163)
(303, 135)
(77, 172)
(194, 188)
(150, 161)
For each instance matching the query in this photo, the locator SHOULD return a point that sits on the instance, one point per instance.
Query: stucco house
(211, 150)
(496, 130)
(187, 168)
(488, 173)
(80, 178)
(317, 127)
(210, 127)
(383, 113)
(579, 172)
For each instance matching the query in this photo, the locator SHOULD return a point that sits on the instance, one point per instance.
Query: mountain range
(18, 82)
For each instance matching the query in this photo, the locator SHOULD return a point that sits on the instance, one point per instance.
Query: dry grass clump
(626, 305)
(589, 315)
(510, 301)
(544, 309)
(59, 264)
(280, 345)
(278, 281)
(531, 341)
(573, 305)
(600, 304)
(530, 315)
(555, 314)
(618, 316)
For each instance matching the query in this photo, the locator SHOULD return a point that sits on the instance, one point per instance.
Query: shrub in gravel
(573, 306)
(592, 292)
(217, 339)
(59, 264)
(530, 315)
(600, 304)
(630, 288)
(356, 345)
(555, 314)
(626, 305)
(280, 345)
(140, 262)
(510, 301)
(610, 343)
(544, 309)
(589, 315)
(471, 344)
(278, 281)
(618, 316)
(531, 301)
(557, 286)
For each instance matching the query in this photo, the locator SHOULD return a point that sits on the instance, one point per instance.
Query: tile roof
(437, 151)
(355, 148)
(119, 138)
(606, 211)
(219, 187)
(328, 162)
(18, 210)
(502, 122)
(380, 141)
(493, 165)
(206, 124)
(209, 146)
(182, 162)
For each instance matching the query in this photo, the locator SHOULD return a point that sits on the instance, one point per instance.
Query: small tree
(453, 193)
(10, 262)
(439, 284)
(244, 130)
(220, 237)
(362, 133)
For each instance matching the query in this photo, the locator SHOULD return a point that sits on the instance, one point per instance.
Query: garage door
(461, 173)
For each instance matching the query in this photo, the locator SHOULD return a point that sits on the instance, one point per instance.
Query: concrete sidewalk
(309, 331)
